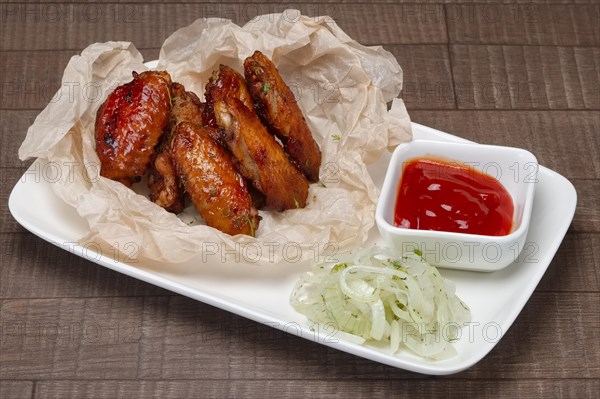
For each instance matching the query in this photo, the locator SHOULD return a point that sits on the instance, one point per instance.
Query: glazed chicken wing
(260, 158)
(209, 177)
(275, 103)
(129, 125)
(224, 83)
(165, 186)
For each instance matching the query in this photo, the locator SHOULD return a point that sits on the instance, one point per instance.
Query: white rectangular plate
(261, 292)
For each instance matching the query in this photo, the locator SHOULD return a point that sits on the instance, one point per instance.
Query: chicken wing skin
(165, 186)
(129, 125)
(224, 82)
(186, 107)
(260, 158)
(209, 177)
(275, 103)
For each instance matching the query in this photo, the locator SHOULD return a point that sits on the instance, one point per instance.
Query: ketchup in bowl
(443, 196)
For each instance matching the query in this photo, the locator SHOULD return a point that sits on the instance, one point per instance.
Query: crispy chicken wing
(260, 158)
(129, 125)
(165, 186)
(209, 176)
(224, 82)
(275, 103)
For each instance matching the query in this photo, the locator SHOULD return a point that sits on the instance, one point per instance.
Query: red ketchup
(442, 196)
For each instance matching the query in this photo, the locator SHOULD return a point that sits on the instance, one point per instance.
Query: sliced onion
(377, 296)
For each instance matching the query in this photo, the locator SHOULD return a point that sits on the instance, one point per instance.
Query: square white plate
(261, 293)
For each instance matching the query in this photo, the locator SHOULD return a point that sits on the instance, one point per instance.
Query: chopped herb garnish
(339, 266)
(336, 137)
(266, 87)
(251, 225)
(418, 252)
(397, 265)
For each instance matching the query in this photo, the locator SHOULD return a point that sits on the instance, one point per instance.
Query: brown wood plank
(184, 339)
(110, 338)
(564, 25)
(34, 268)
(16, 389)
(146, 24)
(564, 141)
(587, 214)
(427, 78)
(30, 79)
(425, 388)
(8, 178)
(13, 130)
(292, 3)
(75, 338)
(111, 389)
(524, 77)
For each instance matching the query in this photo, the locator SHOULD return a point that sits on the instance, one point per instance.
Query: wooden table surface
(524, 74)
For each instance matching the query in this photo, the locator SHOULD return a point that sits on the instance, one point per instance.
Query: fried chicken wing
(129, 125)
(209, 177)
(224, 82)
(165, 186)
(275, 103)
(260, 158)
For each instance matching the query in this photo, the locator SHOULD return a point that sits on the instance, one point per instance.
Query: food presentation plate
(261, 292)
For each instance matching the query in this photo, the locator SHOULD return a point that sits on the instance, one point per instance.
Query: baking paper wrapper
(342, 88)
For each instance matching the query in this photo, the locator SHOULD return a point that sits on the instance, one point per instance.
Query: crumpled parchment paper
(342, 88)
